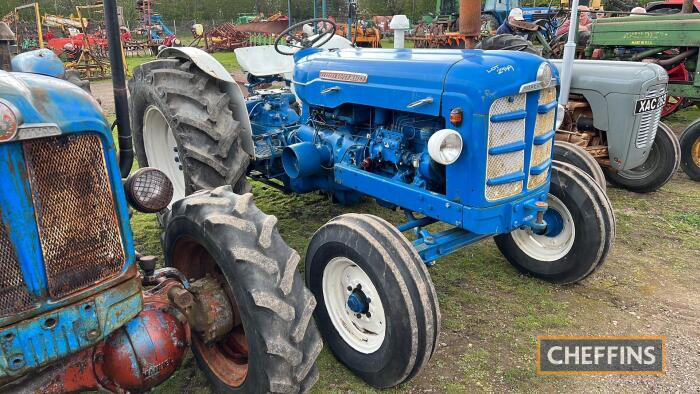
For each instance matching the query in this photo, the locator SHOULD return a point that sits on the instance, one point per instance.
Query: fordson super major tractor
(75, 313)
(457, 138)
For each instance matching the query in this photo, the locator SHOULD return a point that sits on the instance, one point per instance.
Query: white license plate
(650, 104)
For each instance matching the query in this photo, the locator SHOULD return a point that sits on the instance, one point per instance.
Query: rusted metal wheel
(259, 336)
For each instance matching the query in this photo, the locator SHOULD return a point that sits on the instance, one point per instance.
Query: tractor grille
(14, 296)
(75, 211)
(504, 133)
(649, 122)
(505, 165)
(542, 152)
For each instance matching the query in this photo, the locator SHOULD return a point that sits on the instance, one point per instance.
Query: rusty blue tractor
(75, 312)
(457, 138)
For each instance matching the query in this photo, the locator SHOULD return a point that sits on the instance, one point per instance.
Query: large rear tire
(656, 171)
(690, 151)
(377, 308)
(579, 234)
(508, 42)
(183, 124)
(578, 157)
(275, 345)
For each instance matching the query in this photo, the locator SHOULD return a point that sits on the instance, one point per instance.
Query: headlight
(560, 115)
(8, 123)
(544, 74)
(148, 190)
(445, 146)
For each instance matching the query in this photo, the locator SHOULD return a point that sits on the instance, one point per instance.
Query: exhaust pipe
(121, 102)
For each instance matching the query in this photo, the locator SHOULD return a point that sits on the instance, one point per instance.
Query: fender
(210, 66)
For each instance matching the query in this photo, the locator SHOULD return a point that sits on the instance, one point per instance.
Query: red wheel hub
(674, 103)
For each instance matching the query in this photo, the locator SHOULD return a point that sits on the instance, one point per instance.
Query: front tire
(579, 232)
(690, 151)
(377, 308)
(183, 125)
(274, 346)
(578, 157)
(656, 171)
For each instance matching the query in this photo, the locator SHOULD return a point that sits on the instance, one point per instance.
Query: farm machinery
(461, 141)
(671, 41)
(76, 314)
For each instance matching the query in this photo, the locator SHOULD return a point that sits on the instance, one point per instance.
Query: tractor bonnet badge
(343, 76)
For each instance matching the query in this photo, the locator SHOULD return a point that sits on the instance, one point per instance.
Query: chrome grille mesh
(543, 125)
(649, 122)
(75, 211)
(14, 295)
(500, 134)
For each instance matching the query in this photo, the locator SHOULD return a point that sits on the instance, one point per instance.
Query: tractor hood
(399, 78)
(47, 100)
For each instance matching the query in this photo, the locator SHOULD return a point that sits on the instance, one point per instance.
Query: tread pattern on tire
(198, 110)
(563, 148)
(415, 283)
(603, 201)
(281, 306)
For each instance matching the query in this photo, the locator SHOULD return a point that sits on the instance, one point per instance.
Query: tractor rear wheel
(377, 308)
(578, 157)
(579, 233)
(690, 151)
(183, 125)
(274, 343)
(656, 171)
(508, 42)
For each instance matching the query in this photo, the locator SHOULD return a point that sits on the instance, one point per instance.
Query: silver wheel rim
(546, 248)
(365, 333)
(161, 149)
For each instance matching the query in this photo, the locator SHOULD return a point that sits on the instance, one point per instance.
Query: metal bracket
(427, 100)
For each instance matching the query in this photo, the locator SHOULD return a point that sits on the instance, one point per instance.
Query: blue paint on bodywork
(49, 103)
(40, 61)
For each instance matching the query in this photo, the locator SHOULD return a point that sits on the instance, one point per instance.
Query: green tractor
(671, 41)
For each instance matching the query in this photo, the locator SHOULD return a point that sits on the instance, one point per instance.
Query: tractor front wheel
(658, 168)
(578, 157)
(579, 233)
(377, 307)
(273, 343)
(690, 151)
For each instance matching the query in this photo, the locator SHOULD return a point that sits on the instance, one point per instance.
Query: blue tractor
(459, 140)
(75, 312)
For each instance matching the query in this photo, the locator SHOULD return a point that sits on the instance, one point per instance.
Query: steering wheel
(302, 40)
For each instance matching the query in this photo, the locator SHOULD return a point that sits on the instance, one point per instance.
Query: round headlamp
(561, 111)
(544, 74)
(8, 123)
(445, 146)
(148, 190)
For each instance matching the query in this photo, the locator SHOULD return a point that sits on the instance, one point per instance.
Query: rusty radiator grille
(14, 296)
(75, 211)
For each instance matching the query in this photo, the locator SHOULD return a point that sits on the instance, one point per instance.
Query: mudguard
(209, 65)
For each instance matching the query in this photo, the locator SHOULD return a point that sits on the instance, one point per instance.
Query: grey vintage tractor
(611, 125)
(458, 138)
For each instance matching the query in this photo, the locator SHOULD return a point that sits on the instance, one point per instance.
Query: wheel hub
(695, 152)
(556, 241)
(358, 301)
(354, 306)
